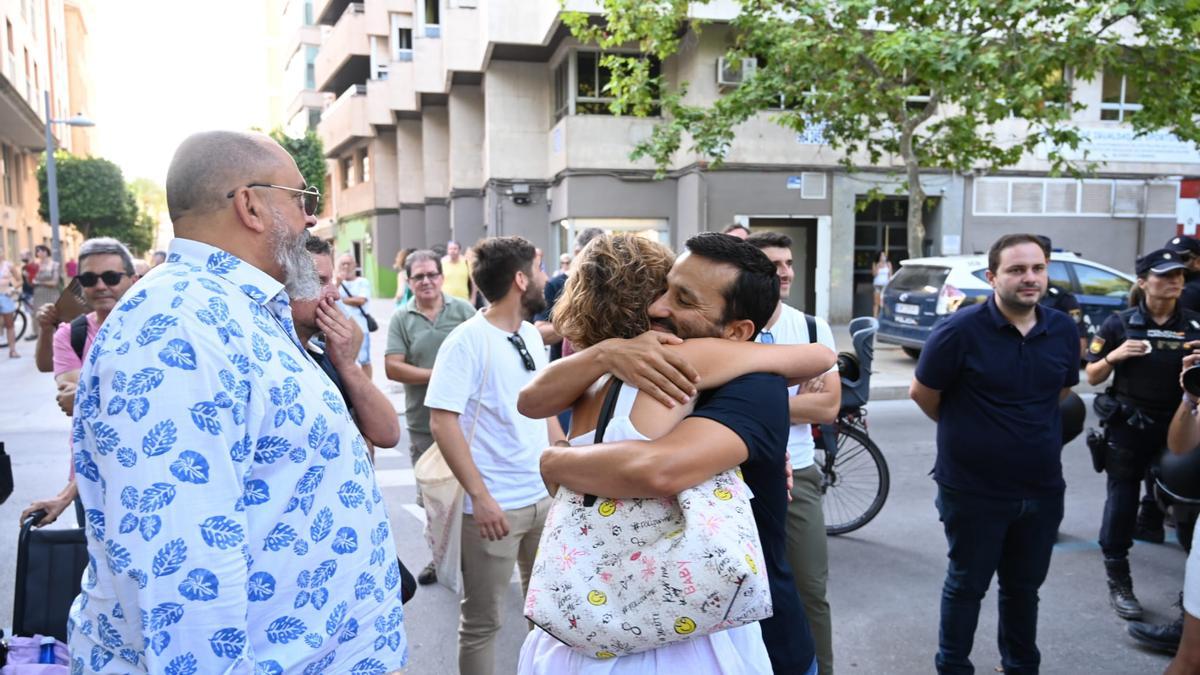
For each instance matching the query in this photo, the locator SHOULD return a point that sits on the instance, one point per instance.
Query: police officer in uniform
(1144, 347)
(1189, 249)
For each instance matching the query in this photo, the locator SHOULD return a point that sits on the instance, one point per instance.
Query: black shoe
(427, 575)
(1163, 637)
(1149, 534)
(1120, 590)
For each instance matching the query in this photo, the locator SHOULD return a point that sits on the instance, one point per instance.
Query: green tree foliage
(911, 84)
(93, 197)
(309, 155)
(152, 207)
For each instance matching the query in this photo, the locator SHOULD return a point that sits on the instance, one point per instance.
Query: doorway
(881, 225)
(803, 231)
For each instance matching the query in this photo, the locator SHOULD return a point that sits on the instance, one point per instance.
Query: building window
(431, 17)
(346, 169)
(364, 172)
(310, 67)
(1119, 98)
(308, 12)
(588, 95)
(403, 51)
(314, 118)
(562, 89)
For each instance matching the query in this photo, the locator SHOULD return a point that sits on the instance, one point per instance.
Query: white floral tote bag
(619, 576)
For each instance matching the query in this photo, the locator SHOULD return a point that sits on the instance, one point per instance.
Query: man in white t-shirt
(815, 402)
(477, 376)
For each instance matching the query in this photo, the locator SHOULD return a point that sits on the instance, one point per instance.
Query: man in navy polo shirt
(991, 376)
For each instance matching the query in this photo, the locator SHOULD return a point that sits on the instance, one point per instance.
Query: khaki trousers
(487, 567)
(808, 555)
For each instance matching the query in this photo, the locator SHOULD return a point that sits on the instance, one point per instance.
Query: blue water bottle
(46, 654)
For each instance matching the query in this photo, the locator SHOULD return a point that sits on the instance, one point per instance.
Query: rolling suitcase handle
(50, 568)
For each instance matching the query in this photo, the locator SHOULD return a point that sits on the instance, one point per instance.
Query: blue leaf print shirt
(233, 519)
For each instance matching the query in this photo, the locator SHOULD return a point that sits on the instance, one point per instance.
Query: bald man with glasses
(231, 507)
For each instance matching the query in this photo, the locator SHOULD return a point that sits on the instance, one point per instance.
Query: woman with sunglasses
(608, 295)
(105, 274)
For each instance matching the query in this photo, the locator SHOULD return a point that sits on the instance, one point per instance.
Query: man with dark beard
(992, 376)
(492, 449)
(226, 488)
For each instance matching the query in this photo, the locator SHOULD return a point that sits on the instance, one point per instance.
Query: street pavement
(885, 579)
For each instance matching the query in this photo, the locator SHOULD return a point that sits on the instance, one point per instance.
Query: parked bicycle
(856, 479)
(20, 321)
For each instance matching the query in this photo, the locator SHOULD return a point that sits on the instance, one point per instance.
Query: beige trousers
(487, 567)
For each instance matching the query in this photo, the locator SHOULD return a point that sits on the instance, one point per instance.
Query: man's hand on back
(645, 362)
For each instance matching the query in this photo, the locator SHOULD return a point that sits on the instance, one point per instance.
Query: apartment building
(465, 118)
(40, 51)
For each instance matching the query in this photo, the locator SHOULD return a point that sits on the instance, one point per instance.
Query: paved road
(885, 579)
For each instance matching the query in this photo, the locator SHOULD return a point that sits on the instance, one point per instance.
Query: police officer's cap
(1161, 261)
(1184, 245)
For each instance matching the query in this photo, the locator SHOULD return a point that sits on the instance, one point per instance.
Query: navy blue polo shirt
(999, 427)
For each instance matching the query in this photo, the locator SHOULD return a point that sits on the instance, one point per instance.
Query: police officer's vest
(1151, 382)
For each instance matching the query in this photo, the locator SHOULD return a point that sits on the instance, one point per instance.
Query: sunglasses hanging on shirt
(526, 358)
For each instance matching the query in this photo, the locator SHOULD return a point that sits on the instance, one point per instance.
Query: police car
(927, 290)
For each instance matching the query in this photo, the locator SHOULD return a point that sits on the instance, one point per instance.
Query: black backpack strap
(606, 412)
(811, 322)
(79, 329)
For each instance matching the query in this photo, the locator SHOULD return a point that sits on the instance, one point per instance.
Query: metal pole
(52, 188)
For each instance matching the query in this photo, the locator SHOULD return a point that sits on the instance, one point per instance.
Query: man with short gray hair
(415, 335)
(106, 271)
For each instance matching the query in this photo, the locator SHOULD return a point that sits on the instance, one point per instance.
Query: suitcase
(50, 566)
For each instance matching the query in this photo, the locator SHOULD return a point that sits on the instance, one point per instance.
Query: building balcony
(396, 93)
(328, 12)
(20, 123)
(345, 122)
(345, 55)
(306, 99)
(302, 36)
(359, 198)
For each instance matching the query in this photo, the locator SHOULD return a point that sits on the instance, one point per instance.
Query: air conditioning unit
(733, 73)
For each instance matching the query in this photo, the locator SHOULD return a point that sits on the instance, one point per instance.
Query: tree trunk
(916, 212)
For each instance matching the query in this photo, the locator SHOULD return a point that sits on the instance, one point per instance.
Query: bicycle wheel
(855, 484)
(18, 329)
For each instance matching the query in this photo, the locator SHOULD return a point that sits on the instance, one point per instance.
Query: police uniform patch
(1096, 345)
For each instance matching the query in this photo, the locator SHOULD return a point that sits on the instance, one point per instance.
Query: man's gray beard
(300, 278)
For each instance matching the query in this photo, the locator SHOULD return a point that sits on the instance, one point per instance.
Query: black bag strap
(79, 329)
(811, 322)
(607, 408)
(606, 412)
(360, 307)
